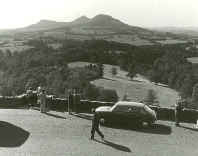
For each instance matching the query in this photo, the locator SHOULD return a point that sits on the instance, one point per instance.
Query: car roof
(129, 103)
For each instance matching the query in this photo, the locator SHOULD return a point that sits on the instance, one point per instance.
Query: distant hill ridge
(102, 27)
(99, 21)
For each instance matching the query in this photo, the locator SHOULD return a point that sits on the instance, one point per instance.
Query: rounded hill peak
(102, 16)
(105, 21)
(81, 20)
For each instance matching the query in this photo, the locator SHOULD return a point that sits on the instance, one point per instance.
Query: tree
(114, 71)
(151, 97)
(125, 97)
(91, 92)
(100, 67)
(195, 97)
(108, 95)
(186, 88)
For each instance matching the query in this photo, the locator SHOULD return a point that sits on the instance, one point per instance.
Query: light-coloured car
(127, 112)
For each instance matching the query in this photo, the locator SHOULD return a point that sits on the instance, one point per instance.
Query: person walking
(95, 125)
(42, 96)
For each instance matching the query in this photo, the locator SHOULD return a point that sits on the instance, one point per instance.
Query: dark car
(127, 112)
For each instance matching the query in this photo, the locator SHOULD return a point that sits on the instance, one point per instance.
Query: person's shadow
(189, 128)
(114, 145)
(54, 115)
(11, 135)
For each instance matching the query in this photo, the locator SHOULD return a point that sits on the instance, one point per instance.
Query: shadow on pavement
(56, 116)
(105, 78)
(154, 129)
(11, 135)
(157, 129)
(114, 145)
(83, 116)
(189, 128)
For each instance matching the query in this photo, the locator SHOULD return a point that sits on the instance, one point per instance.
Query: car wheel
(139, 124)
(150, 124)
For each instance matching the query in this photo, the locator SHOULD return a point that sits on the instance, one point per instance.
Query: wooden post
(69, 101)
(68, 92)
(77, 102)
(74, 100)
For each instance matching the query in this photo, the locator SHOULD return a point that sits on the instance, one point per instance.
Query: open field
(171, 41)
(136, 89)
(30, 133)
(193, 60)
(15, 48)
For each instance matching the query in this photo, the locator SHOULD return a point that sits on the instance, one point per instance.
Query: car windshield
(147, 109)
(120, 108)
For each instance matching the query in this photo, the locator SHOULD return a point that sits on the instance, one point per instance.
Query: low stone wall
(12, 102)
(187, 115)
(58, 104)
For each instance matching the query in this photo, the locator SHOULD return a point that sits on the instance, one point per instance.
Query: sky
(144, 13)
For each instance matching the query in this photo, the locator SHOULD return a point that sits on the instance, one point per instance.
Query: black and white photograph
(98, 78)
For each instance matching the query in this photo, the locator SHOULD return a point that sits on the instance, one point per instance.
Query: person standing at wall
(38, 96)
(43, 101)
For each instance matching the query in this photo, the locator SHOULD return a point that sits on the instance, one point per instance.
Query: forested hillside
(43, 65)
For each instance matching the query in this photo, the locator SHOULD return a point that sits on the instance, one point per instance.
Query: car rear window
(124, 108)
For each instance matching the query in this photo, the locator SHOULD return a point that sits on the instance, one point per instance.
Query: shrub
(114, 71)
(151, 98)
(195, 96)
(107, 95)
(92, 92)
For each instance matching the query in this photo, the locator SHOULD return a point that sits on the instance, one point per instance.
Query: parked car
(127, 112)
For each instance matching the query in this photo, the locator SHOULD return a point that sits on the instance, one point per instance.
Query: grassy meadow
(136, 89)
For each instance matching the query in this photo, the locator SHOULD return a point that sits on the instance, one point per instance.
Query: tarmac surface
(29, 133)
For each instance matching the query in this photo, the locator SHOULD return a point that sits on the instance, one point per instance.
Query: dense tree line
(174, 70)
(43, 65)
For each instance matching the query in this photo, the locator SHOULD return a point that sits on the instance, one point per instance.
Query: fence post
(75, 100)
(69, 101)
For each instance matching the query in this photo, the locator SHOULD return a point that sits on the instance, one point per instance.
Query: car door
(134, 113)
(121, 113)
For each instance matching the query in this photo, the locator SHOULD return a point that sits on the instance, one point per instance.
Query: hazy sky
(147, 13)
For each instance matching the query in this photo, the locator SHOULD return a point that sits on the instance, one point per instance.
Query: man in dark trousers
(95, 125)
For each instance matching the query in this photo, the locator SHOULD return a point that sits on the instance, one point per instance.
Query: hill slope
(43, 25)
(136, 89)
(103, 27)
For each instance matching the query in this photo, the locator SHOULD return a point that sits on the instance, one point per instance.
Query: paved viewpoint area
(30, 133)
